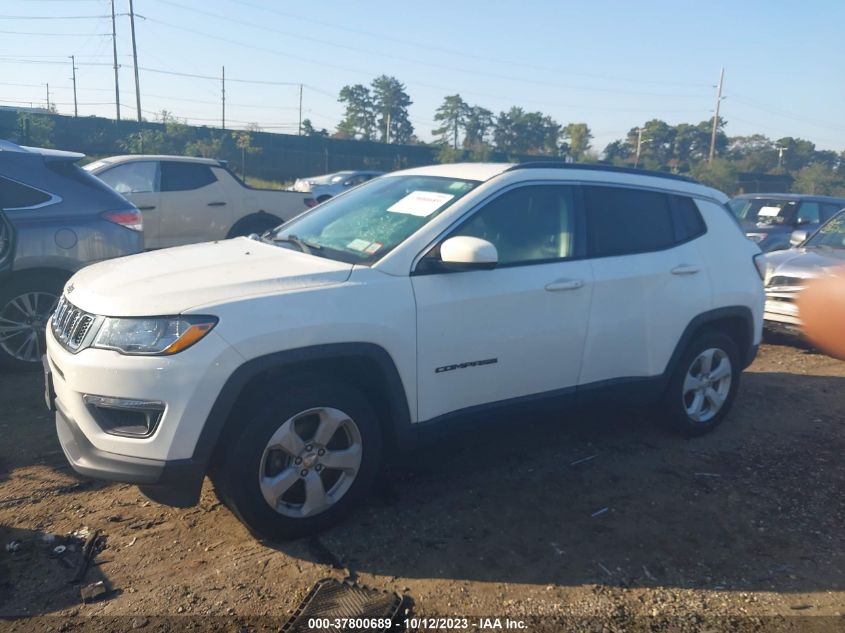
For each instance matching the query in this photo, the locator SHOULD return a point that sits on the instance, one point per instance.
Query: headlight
(157, 335)
(756, 237)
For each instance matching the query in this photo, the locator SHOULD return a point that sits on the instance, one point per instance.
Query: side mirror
(468, 253)
(797, 237)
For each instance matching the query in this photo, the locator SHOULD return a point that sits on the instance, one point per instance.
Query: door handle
(147, 208)
(216, 204)
(685, 269)
(564, 284)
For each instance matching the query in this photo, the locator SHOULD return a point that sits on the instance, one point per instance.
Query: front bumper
(175, 483)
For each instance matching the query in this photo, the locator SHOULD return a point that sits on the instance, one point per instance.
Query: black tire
(44, 290)
(323, 198)
(236, 477)
(254, 224)
(673, 409)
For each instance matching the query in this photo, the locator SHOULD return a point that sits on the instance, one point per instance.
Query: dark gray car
(770, 218)
(55, 218)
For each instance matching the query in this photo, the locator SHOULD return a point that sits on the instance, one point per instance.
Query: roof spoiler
(46, 153)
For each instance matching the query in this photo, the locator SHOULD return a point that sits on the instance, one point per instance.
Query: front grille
(70, 324)
(783, 280)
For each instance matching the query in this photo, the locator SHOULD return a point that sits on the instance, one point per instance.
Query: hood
(173, 280)
(804, 263)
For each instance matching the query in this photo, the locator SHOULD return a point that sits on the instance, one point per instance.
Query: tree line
(472, 132)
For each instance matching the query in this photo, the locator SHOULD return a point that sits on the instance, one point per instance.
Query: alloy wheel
(310, 462)
(22, 325)
(707, 385)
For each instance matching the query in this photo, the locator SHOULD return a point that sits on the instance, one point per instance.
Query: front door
(485, 336)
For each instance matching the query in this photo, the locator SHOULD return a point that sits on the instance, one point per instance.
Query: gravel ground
(601, 523)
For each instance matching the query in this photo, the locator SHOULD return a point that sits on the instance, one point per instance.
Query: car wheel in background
(703, 386)
(26, 303)
(254, 224)
(303, 462)
(323, 198)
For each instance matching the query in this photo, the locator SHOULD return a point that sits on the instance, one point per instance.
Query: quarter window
(622, 221)
(829, 210)
(180, 176)
(14, 195)
(686, 218)
(134, 177)
(529, 224)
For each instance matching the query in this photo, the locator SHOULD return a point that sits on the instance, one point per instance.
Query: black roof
(551, 164)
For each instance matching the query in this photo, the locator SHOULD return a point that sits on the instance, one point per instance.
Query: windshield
(764, 210)
(831, 235)
(366, 223)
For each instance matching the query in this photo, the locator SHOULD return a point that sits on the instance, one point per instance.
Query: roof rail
(553, 164)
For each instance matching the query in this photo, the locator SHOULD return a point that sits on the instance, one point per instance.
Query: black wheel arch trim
(221, 410)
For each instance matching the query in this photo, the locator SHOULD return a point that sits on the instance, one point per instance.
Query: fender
(222, 408)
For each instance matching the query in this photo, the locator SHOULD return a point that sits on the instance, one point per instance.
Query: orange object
(821, 306)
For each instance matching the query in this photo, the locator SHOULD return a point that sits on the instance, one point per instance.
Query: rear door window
(182, 176)
(134, 177)
(15, 195)
(809, 213)
(829, 210)
(622, 221)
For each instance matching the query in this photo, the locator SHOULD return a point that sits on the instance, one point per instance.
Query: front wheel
(703, 386)
(302, 462)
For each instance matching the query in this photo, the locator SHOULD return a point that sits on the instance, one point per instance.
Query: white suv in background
(288, 366)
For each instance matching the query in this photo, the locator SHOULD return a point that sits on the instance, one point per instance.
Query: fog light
(125, 417)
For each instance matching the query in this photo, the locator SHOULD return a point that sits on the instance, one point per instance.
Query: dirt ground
(601, 523)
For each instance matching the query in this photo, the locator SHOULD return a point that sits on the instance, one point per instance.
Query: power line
(380, 55)
(428, 46)
(53, 17)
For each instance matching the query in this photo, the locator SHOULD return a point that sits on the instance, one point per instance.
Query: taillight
(310, 203)
(130, 218)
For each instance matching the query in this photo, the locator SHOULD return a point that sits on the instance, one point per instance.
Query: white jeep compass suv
(287, 366)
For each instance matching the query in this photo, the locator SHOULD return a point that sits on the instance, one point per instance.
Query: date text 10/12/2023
(420, 624)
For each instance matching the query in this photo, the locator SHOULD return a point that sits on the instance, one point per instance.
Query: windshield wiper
(304, 246)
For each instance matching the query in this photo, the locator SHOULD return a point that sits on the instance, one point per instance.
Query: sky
(610, 64)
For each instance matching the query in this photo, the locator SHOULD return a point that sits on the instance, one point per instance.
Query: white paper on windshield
(358, 244)
(420, 203)
(768, 212)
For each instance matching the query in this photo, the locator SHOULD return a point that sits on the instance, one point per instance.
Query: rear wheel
(26, 304)
(302, 462)
(254, 224)
(703, 387)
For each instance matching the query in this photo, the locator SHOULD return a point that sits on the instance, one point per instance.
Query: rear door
(138, 182)
(195, 205)
(650, 280)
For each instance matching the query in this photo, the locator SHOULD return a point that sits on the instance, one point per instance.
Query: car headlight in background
(756, 237)
(153, 336)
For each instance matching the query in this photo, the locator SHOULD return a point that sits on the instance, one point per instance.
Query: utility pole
(387, 129)
(781, 149)
(223, 79)
(716, 117)
(135, 60)
(73, 66)
(639, 145)
(48, 96)
(300, 110)
(114, 50)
